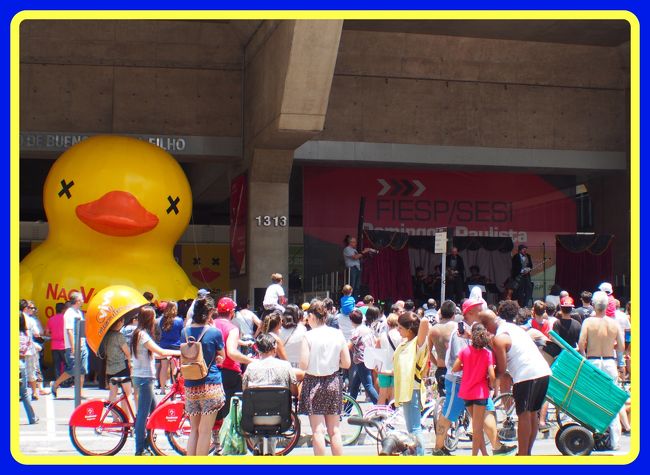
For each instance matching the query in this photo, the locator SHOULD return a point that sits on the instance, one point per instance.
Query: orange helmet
(106, 307)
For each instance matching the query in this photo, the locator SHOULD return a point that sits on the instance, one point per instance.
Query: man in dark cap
(522, 264)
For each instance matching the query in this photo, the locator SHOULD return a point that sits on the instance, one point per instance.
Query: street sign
(440, 246)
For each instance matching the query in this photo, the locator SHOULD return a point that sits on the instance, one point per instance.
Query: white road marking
(51, 418)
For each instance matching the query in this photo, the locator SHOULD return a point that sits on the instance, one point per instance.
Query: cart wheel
(575, 440)
(559, 432)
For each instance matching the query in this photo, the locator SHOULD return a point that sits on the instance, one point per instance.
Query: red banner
(238, 215)
(528, 208)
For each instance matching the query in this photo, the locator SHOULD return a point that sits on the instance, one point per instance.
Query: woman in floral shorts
(204, 397)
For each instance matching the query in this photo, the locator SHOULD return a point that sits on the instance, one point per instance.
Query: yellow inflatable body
(116, 207)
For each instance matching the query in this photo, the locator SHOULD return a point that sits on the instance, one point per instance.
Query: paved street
(51, 436)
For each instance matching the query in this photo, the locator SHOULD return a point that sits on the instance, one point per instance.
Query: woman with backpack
(118, 360)
(144, 371)
(204, 396)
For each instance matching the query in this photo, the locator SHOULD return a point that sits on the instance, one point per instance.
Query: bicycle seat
(120, 380)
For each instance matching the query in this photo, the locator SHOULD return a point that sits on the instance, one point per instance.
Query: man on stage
(455, 276)
(522, 264)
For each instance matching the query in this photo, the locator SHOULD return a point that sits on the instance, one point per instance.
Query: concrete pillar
(268, 215)
(289, 67)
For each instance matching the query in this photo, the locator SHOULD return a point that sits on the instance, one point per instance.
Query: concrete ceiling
(581, 32)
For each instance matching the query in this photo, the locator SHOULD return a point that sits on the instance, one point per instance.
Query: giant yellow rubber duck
(116, 207)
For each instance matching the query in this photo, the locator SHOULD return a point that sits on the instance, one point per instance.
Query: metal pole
(77, 362)
(443, 277)
(544, 264)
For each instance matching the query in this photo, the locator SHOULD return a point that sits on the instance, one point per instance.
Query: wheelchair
(269, 420)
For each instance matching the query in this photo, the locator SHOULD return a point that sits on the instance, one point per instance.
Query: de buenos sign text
(56, 142)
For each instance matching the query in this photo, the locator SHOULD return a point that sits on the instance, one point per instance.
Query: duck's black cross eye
(65, 189)
(196, 261)
(172, 204)
(215, 261)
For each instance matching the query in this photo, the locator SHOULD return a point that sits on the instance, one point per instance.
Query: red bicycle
(101, 427)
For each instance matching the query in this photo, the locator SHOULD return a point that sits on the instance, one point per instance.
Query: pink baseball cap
(470, 304)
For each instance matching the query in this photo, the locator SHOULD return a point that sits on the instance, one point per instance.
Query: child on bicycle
(477, 363)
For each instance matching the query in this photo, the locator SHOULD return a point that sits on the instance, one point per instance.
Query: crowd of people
(474, 352)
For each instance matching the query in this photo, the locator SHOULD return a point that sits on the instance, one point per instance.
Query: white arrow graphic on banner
(420, 186)
(385, 186)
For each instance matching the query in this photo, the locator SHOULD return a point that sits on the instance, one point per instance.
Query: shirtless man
(439, 336)
(600, 339)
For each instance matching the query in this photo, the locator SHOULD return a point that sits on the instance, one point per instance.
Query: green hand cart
(587, 395)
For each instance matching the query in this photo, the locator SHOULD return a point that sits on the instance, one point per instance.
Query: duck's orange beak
(117, 213)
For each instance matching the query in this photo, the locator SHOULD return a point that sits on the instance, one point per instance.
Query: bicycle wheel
(107, 438)
(349, 433)
(506, 417)
(387, 417)
(178, 439)
(282, 444)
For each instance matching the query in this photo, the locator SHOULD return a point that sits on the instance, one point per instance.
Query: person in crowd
(522, 264)
(170, 325)
(553, 295)
(477, 363)
(431, 312)
(439, 337)
(323, 352)
(628, 340)
(25, 342)
(455, 276)
(516, 352)
(602, 342)
(266, 371)
(118, 361)
(585, 310)
(332, 314)
(362, 337)
(71, 315)
(55, 330)
(201, 293)
(204, 397)
(31, 357)
(388, 343)
(410, 367)
(247, 322)
(231, 370)
(143, 349)
(292, 333)
(347, 300)
(130, 324)
(420, 291)
(454, 404)
(274, 298)
(436, 282)
(508, 310)
(611, 304)
(272, 325)
(540, 319)
(551, 313)
(475, 277)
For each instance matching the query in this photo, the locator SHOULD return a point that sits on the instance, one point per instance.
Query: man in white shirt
(72, 314)
(274, 297)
